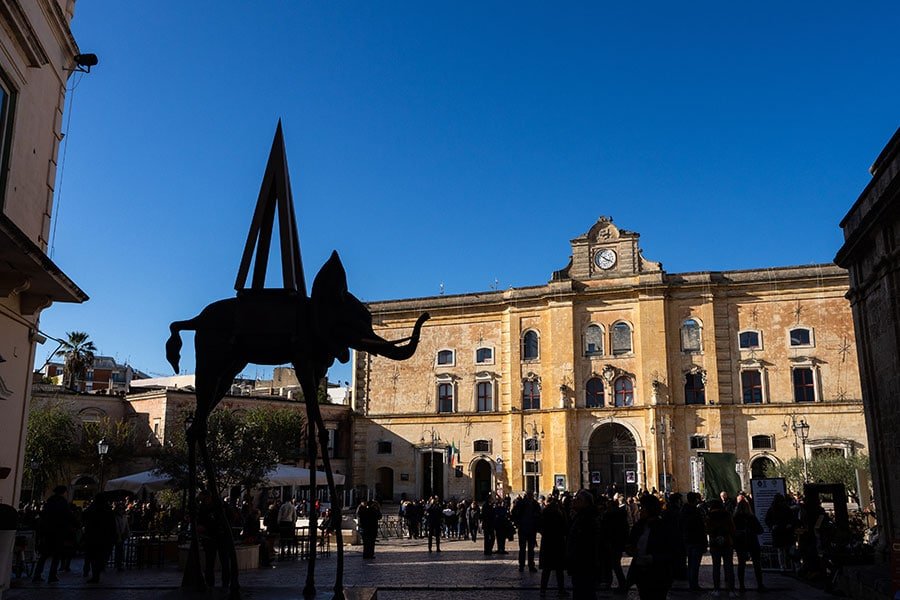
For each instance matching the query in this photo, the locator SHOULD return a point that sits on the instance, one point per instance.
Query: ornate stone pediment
(605, 251)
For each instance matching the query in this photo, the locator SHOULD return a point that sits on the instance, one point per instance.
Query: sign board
(560, 482)
(595, 477)
(763, 491)
(630, 477)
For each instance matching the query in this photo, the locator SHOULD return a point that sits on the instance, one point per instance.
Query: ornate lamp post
(663, 430)
(435, 438)
(533, 437)
(800, 430)
(102, 450)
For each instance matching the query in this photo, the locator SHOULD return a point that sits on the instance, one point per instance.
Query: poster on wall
(560, 482)
(630, 477)
(595, 477)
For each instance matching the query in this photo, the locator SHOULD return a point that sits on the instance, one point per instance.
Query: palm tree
(78, 352)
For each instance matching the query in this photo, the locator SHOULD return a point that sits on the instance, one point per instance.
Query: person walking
(652, 546)
(614, 521)
(693, 535)
(780, 521)
(99, 535)
(473, 515)
(287, 518)
(123, 532)
(503, 527)
(553, 526)
(54, 525)
(367, 517)
(487, 526)
(582, 549)
(720, 529)
(746, 543)
(525, 514)
(434, 515)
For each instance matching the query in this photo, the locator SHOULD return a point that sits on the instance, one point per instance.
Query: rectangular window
(445, 398)
(7, 102)
(532, 467)
(698, 442)
(532, 444)
(804, 385)
(332, 443)
(751, 386)
(483, 446)
(531, 395)
(694, 390)
(762, 442)
(484, 392)
(385, 447)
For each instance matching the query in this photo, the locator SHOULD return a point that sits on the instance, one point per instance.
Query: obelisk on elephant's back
(274, 326)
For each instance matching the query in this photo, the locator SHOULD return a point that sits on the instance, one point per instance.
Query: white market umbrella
(289, 475)
(145, 480)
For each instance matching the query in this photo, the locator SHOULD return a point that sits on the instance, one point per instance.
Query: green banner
(719, 474)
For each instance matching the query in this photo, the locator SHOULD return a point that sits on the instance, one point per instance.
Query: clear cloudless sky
(455, 142)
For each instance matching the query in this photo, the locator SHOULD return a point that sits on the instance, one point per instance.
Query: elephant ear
(328, 299)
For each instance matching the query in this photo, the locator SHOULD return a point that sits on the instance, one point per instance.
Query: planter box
(247, 557)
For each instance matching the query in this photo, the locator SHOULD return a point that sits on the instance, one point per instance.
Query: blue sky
(455, 143)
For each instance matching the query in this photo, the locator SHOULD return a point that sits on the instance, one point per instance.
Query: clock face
(605, 259)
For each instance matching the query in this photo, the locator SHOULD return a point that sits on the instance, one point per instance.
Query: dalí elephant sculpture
(273, 327)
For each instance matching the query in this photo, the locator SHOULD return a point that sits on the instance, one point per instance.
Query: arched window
(530, 345)
(749, 340)
(624, 392)
(694, 389)
(593, 393)
(484, 356)
(484, 396)
(690, 336)
(593, 340)
(762, 467)
(445, 358)
(621, 339)
(801, 336)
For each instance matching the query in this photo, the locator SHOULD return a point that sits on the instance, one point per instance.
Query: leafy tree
(244, 446)
(824, 468)
(49, 442)
(120, 435)
(78, 352)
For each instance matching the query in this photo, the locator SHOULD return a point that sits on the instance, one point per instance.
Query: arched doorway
(762, 467)
(481, 475)
(612, 458)
(384, 484)
(433, 474)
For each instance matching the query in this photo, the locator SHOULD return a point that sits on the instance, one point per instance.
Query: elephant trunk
(392, 349)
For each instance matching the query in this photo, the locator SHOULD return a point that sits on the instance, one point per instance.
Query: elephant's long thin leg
(193, 574)
(310, 389)
(335, 500)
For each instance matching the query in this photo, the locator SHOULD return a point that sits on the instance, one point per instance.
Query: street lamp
(663, 430)
(435, 438)
(801, 434)
(533, 438)
(35, 465)
(102, 450)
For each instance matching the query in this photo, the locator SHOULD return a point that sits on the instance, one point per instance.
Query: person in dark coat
(582, 548)
(693, 536)
(526, 513)
(746, 542)
(367, 516)
(503, 527)
(99, 535)
(652, 547)
(487, 525)
(553, 526)
(434, 516)
(720, 529)
(473, 515)
(54, 526)
(780, 521)
(614, 522)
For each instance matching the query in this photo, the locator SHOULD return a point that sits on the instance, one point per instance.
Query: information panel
(764, 491)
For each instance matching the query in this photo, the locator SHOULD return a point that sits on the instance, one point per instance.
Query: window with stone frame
(484, 396)
(593, 340)
(621, 339)
(531, 394)
(7, 107)
(624, 392)
(482, 446)
(699, 442)
(749, 340)
(762, 442)
(484, 356)
(385, 447)
(445, 397)
(594, 393)
(804, 384)
(530, 345)
(751, 386)
(690, 336)
(800, 337)
(532, 444)
(445, 358)
(694, 389)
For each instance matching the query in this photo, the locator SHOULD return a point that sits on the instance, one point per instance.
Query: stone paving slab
(401, 570)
